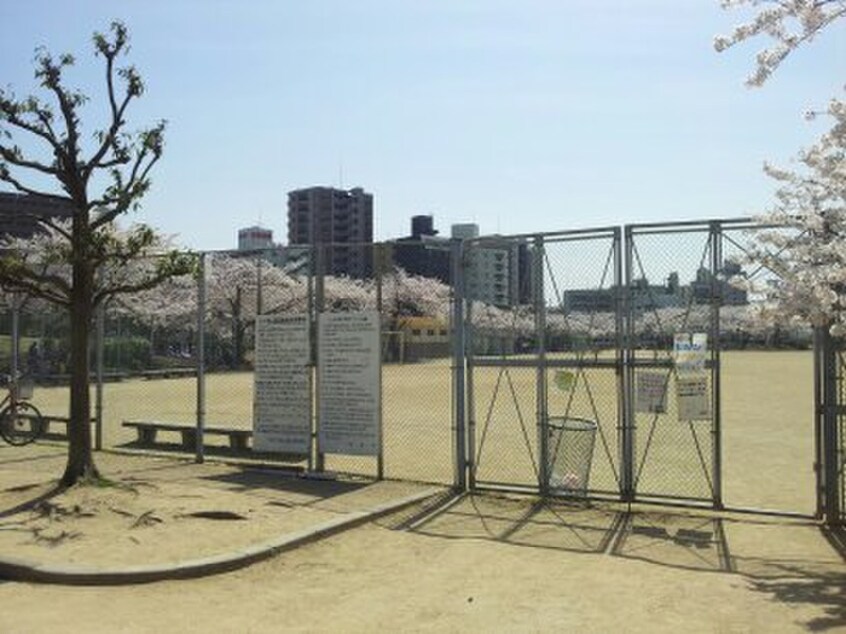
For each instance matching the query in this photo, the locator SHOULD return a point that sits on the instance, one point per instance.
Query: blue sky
(521, 116)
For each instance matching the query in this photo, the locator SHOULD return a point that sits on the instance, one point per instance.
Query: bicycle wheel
(21, 423)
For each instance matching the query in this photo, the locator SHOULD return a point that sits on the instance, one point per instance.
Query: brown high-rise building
(338, 217)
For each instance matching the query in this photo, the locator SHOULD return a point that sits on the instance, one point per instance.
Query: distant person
(33, 359)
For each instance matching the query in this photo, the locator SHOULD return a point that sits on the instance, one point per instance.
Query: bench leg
(189, 438)
(238, 442)
(147, 435)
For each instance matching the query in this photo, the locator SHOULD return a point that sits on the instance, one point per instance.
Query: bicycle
(20, 421)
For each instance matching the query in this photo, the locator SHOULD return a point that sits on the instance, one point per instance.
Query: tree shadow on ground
(763, 551)
(801, 583)
(764, 554)
(54, 489)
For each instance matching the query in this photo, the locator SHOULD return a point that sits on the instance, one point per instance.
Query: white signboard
(693, 400)
(651, 392)
(282, 388)
(690, 351)
(349, 389)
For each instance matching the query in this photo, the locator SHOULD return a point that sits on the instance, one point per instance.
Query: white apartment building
(493, 274)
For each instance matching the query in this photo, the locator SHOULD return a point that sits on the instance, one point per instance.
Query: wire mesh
(671, 293)
(547, 351)
(767, 393)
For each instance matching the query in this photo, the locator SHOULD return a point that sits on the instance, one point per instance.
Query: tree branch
(132, 287)
(7, 177)
(13, 157)
(122, 203)
(17, 276)
(47, 222)
(10, 110)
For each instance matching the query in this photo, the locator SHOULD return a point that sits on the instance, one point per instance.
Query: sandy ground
(161, 510)
(478, 563)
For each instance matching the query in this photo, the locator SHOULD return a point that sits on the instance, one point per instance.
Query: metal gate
(673, 284)
(544, 361)
(565, 334)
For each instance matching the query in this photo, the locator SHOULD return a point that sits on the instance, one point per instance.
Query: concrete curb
(13, 569)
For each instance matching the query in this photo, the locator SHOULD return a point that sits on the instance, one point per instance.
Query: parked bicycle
(20, 421)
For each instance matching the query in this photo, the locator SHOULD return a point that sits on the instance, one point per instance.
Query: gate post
(459, 349)
(626, 321)
(540, 333)
(832, 486)
(819, 414)
(716, 237)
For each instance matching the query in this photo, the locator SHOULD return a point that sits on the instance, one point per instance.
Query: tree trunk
(80, 465)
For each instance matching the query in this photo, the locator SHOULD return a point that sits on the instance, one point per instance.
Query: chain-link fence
(174, 368)
(634, 363)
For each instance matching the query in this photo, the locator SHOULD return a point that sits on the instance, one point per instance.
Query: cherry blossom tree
(812, 199)
(405, 295)
(172, 305)
(787, 23)
(241, 287)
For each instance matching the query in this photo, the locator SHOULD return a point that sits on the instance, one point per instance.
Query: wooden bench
(64, 379)
(51, 421)
(168, 373)
(147, 431)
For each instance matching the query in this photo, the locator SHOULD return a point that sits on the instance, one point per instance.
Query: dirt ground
(478, 563)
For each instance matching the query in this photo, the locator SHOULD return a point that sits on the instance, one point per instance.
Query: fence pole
(819, 415)
(469, 351)
(259, 284)
(716, 426)
(540, 331)
(629, 424)
(201, 359)
(16, 335)
(98, 395)
(312, 330)
(458, 363)
(320, 458)
(380, 254)
(833, 484)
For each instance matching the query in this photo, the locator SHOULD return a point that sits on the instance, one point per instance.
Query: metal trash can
(570, 444)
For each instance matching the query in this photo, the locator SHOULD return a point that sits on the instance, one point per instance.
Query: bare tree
(99, 179)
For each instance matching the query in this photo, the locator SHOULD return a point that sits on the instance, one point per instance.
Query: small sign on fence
(565, 380)
(693, 400)
(651, 392)
(689, 352)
